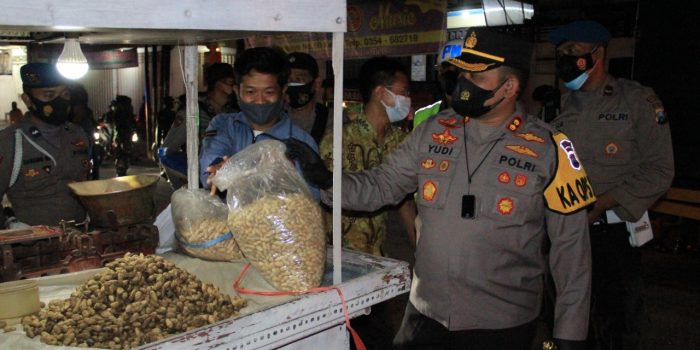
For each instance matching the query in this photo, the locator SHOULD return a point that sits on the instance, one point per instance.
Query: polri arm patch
(570, 189)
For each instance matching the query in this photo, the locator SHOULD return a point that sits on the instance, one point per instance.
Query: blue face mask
(577, 82)
(399, 112)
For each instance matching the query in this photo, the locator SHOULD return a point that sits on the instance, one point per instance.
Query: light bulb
(72, 63)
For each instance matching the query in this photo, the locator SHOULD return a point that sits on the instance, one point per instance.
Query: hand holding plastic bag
(274, 219)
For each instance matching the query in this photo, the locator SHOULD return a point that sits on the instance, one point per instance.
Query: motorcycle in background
(117, 133)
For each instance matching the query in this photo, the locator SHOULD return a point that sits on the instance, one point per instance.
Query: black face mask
(468, 99)
(300, 95)
(571, 67)
(56, 111)
(262, 114)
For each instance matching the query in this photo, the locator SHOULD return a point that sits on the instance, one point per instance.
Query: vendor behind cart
(261, 77)
(42, 153)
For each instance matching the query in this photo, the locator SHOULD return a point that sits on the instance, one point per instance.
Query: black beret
(216, 72)
(40, 75)
(300, 60)
(485, 49)
(581, 31)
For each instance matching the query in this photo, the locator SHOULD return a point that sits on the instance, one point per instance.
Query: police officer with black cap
(304, 83)
(623, 137)
(42, 153)
(491, 185)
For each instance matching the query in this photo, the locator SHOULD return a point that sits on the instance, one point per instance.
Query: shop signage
(375, 28)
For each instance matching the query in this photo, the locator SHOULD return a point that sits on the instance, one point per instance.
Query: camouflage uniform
(361, 230)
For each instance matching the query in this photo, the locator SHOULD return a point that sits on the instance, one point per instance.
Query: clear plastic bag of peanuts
(273, 217)
(200, 226)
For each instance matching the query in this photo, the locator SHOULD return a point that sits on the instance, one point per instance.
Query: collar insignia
(31, 173)
(515, 123)
(448, 122)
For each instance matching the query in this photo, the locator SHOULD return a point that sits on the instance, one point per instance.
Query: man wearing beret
(623, 138)
(302, 107)
(42, 153)
(491, 185)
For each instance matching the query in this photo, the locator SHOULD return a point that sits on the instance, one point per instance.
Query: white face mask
(402, 105)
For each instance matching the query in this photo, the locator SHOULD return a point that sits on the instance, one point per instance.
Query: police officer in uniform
(491, 184)
(622, 135)
(304, 82)
(42, 153)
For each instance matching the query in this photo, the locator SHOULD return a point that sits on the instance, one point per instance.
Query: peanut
(283, 237)
(131, 314)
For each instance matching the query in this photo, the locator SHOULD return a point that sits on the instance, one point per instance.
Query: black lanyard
(466, 156)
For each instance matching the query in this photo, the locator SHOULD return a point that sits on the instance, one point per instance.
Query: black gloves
(562, 344)
(311, 163)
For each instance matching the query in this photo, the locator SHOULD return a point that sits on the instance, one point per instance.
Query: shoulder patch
(658, 107)
(570, 189)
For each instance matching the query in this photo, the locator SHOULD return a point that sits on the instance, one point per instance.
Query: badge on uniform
(448, 122)
(530, 137)
(611, 149)
(429, 191)
(659, 110)
(444, 138)
(34, 131)
(505, 206)
(504, 177)
(522, 150)
(570, 189)
(515, 123)
(444, 165)
(31, 173)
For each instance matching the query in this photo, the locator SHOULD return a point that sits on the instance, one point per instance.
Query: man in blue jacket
(261, 77)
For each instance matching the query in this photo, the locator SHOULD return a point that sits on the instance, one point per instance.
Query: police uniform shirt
(40, 195)
(626, 150)
(486, 272)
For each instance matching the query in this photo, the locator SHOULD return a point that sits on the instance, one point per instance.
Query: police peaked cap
(40, 75)
(581, 31)
(484, 49)
(300, 60)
